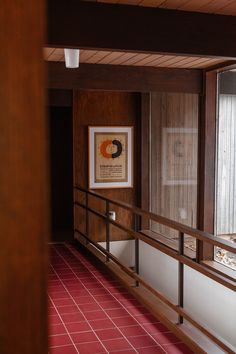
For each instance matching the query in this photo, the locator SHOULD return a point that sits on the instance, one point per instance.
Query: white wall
(209, 302)
(123, 250)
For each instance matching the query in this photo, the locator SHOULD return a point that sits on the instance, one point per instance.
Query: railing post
(136, 229)
(86, 217)
(107, 229)
(181, 276)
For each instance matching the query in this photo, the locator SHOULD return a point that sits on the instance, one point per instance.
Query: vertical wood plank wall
(226, 166)
(24, 180)
(94, 108)
(174, 158)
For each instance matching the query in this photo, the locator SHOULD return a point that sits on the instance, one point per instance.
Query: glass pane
(174, 160)
(225, 220)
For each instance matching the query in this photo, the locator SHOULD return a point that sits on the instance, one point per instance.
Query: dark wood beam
(73, 23)
(124, 78)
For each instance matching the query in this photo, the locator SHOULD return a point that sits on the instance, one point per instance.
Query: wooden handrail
(198, 234)
(178, 255)
(230, 284)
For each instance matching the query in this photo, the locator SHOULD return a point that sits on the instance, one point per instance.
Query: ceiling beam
(85, 24)
(124, 78)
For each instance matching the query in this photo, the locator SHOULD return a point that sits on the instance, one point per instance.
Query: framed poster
(110, 157)
(179, 156)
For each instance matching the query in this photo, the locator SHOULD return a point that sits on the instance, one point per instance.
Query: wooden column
(23, 180)
(207, 161)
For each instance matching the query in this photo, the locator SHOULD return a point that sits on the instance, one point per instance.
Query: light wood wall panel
(226, 167)
(93, 108)
(174, 156)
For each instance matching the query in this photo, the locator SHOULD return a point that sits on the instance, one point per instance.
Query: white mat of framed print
(179, 156)
(110, 157)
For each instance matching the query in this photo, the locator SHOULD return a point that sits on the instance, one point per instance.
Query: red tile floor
(90, 312)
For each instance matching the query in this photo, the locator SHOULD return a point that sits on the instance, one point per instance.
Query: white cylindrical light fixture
(72, 58)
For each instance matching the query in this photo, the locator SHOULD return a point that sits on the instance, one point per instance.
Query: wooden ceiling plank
(96, 57)
(199, 63)
(135, 59)
(47, 52)
(172, 60)
(129, 2)
(229, 9)
(148, 59)
(151, 3)
(86, 54)
(161, 60)
(59, 51)
(126, 57)
(193, 5)
(215, 6)
(185, 62)
(110, 57)
(172, 4)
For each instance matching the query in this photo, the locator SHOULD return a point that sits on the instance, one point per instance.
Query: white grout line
(63, 325)
(80, 310)
(123, 336)
(140, 324)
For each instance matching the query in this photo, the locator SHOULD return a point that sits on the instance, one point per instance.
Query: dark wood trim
(226, 65)
(145, 158)
(221, 269)
(139, 29)
(207, 161)
(227, 83)
(60, 98)
(124, 78)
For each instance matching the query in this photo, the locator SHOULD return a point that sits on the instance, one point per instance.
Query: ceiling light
(72, 58)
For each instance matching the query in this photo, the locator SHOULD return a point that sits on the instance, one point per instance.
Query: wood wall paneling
(173, 29)
(24, 182)
(104, 108)
(145, 158)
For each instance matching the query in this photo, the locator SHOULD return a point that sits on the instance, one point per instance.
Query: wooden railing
(179, 254)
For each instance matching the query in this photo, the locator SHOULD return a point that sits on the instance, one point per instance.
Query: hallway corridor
(90, 312)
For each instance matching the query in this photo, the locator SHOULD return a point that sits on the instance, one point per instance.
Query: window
(174, 162)
(225, 205)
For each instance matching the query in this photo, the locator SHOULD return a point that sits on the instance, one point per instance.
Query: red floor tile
(116, 344)
(57, 329)
(105, 334)
(68, 349)
(142, 341)
(83, 337)
(59, 340)
(67, 309)
(91, 313)
(102, 324)
(91, 348)
(132, 331)
(82, 326)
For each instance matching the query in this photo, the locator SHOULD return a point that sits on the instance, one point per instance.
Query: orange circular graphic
(106, 143)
